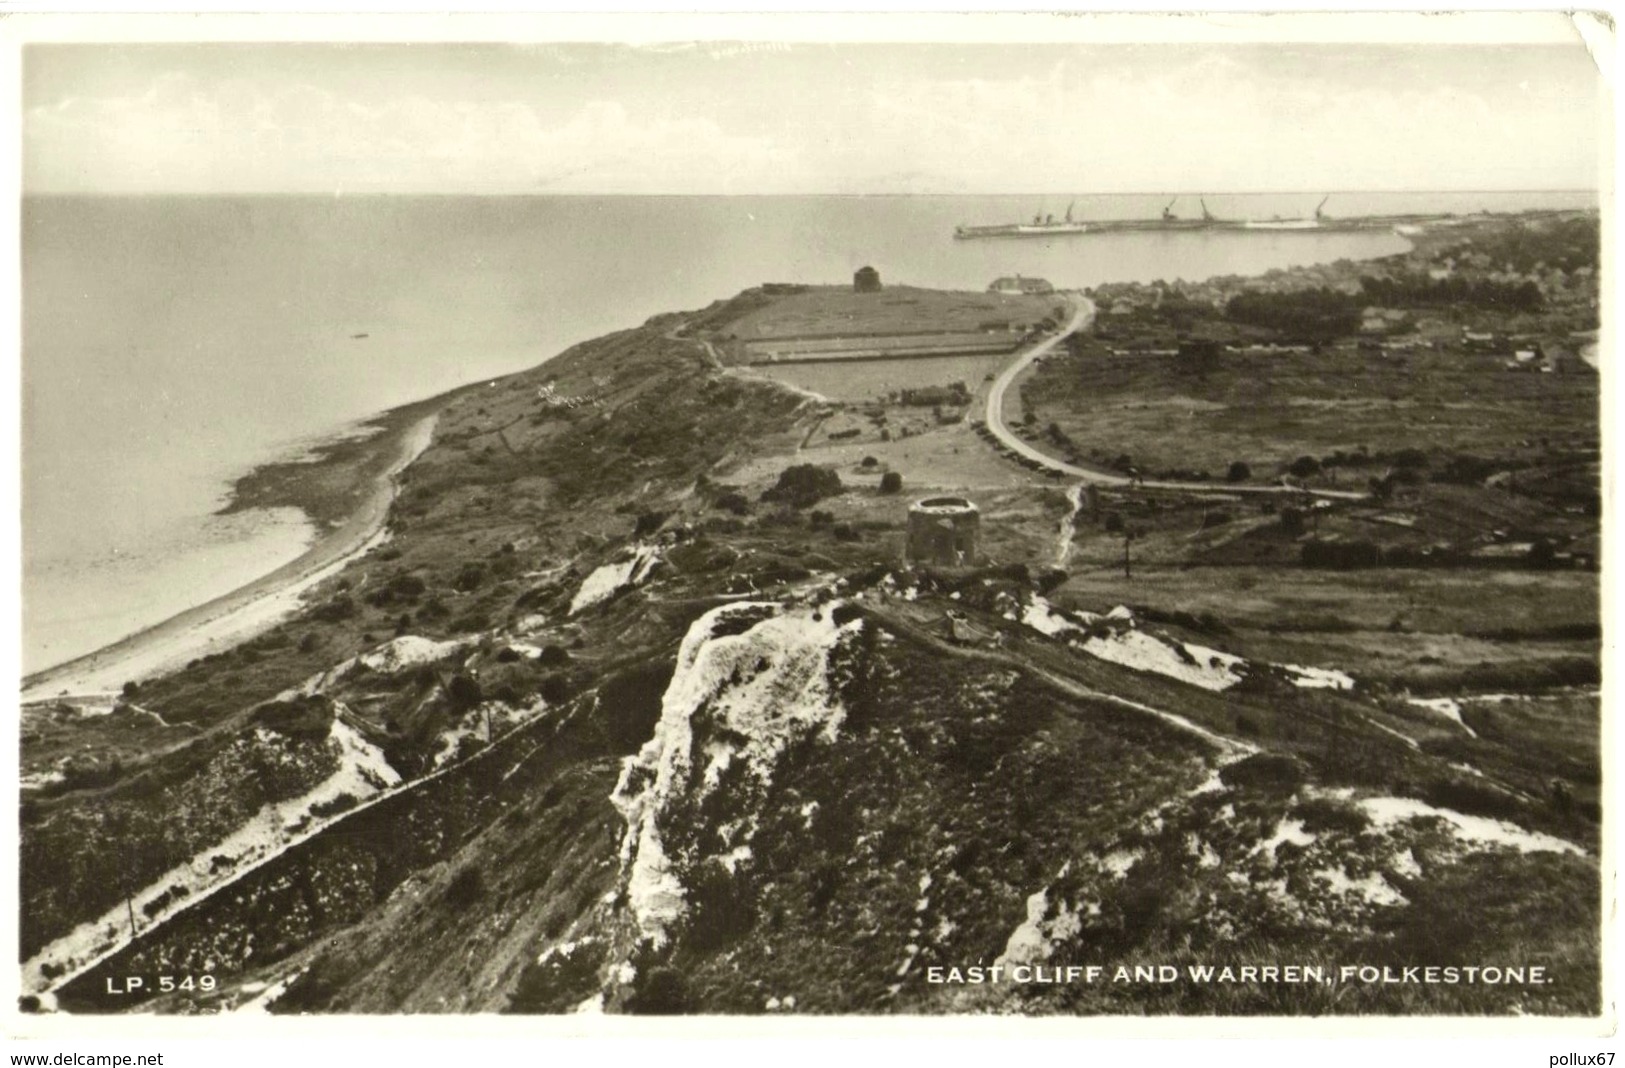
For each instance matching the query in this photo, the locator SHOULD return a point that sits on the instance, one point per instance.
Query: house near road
(1016, 284)
(1384, 320)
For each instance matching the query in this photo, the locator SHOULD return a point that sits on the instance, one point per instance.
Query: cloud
(1105, 120)
(244, 137)
(1221, 124)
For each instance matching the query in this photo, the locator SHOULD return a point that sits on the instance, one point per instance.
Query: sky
(742, 118)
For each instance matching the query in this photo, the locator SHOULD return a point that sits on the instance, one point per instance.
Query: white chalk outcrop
(606, 581)
(750, 679)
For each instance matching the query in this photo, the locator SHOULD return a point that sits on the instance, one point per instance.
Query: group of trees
(1352, 555)
(1313, 315)
(1411, 290)
(804, 485)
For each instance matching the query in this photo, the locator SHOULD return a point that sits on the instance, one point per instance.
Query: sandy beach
(241, 614)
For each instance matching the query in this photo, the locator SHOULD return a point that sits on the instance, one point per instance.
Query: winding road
(1083, 316)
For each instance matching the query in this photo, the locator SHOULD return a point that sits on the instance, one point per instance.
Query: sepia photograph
(1009, 516)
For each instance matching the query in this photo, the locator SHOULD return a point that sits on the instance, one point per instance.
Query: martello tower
(943, 531)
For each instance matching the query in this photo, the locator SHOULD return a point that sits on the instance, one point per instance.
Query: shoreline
(254, 607)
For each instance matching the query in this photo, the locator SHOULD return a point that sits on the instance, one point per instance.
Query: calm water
(169, 343)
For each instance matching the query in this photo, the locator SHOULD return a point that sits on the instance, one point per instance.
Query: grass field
(1267, 410)
(831, 311)
(867, 380)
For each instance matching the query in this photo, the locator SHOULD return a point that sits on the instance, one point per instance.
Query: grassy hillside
(636, 719)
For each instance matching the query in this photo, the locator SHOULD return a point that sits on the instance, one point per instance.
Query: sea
(172, 343)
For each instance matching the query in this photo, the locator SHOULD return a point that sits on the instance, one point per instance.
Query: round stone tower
(943, 531)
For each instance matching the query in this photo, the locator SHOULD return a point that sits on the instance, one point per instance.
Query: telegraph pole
(124, 872)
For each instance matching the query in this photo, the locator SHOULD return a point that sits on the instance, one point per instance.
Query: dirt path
(1228, 749)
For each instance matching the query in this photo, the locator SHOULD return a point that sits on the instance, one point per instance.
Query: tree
(1239, 472)
(464, 692)
(555, 689)
(891, 482)
(1542, 554)
(1304, 466)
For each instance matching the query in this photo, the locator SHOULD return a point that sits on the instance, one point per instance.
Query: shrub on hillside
(723, 909)
(1304, 466)
(732, 501)
(466, 888)
(335, 609)
(804, 485)
(472, 620)
(648, 523)
(891, 482)
(1330, 814)
(464, 692)
(1273, 772)
(406, 587)
(1473, 798)
(1049, 579)
(555, 689)
(296, 717)
(470, 577)
(663, 993)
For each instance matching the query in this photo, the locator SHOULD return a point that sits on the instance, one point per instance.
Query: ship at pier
(1168, 222)
(1041, 226)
